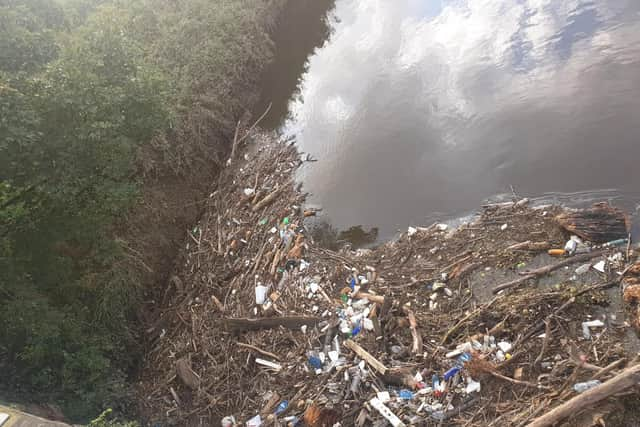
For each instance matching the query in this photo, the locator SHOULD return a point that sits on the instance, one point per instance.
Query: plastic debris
(505, 346)
(269, 364)
(405, 394)
(386, 412)
(504, 227)
(255, 421)
(411, 231)
(586, 327)
(261, 294)
(315, 362)
(571, 246)
(228, 421)
(557, 252)
(383, 396)
(600, 266)
(282, 407)
(582, 387)
(472, 386)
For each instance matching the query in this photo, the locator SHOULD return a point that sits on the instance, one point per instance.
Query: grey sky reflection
(416, 107)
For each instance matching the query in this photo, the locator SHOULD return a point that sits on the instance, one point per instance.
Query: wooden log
(626, 379)
(530, 246)
(366, 356)
(186, 374)
(379, 299)
(289, 322)
(600, 224)
(416, 347)
(532, 274)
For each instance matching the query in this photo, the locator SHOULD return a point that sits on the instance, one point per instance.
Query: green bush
(85, 87)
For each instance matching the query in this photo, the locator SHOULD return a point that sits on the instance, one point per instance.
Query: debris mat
(492, 323)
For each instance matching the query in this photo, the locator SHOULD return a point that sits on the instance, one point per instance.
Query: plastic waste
(411, 231)
(586, 327)
(557, 252)
(571, 246)
(405, 394)
(582, 387)
(505, 346)
(618, 242)
(315, 362)
(383, 396)
(386, 412)
(472, 386)
(261, 294)
(228, 421)
(451, 373)
(255, 421)
(282, 407)
(599, 266)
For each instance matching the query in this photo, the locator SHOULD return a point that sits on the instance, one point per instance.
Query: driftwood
(366, 356)
(293, 322)
(416, 347)
(600, 224)
(532, 274)
(530, 246)
(186, 374)
(624, 380)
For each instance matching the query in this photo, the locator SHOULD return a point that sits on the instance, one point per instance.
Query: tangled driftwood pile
(260, 326)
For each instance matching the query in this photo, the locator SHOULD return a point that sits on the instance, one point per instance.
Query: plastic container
(582, 387)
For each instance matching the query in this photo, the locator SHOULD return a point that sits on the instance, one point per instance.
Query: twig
(545, 343)
(259, 350)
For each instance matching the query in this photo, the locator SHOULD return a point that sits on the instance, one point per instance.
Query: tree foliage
(85, 86)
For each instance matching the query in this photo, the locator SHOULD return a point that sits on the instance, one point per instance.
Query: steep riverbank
(259, 322)
(116, 118)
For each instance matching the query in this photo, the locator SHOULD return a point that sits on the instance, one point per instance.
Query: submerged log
(600, 224)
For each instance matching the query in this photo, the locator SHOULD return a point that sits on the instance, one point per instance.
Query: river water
(420, 110)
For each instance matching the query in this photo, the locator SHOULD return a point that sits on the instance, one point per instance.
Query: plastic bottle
(582, 387)
(282, 407)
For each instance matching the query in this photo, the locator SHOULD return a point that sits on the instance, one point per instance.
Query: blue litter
(315, 362)
(405, 394)
(352, 284)
(356, 330)
(451, 373)
(464, 358)
(282, 407)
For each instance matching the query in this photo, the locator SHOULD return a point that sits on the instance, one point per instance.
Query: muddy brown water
(419, 110)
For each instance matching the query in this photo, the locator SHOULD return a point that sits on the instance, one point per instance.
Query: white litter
(505, 346)
(504, 227)
(269, 364)
(261, 294)
(255, 421)
(386, 412)
(586, 327)
(383, 396)
(600, 266)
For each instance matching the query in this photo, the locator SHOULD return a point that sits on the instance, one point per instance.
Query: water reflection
(417, 106)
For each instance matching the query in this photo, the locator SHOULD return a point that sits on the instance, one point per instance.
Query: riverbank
(116, 118)
(260, 321)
